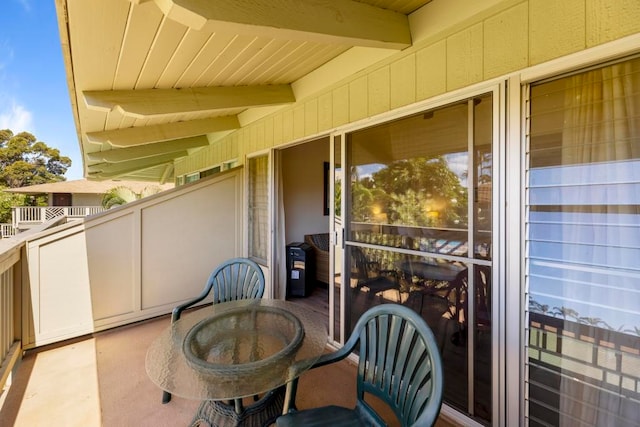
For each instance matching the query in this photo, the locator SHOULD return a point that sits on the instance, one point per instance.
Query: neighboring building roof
(84, 186)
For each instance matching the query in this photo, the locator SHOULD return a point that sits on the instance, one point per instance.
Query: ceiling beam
(116, 169)
(329, 21)
(163, 132)
(166, 175)
(148, 150)
(146, 103)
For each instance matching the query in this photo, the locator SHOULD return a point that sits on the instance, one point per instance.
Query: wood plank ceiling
(151, 81)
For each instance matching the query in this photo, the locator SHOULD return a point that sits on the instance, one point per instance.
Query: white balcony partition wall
(59, 299)
(150, 255)
(131, 263)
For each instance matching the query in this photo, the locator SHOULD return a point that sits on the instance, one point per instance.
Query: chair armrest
(295, 371)
(177, 311)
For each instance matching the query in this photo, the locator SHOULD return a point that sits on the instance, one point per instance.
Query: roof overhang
(152, 81)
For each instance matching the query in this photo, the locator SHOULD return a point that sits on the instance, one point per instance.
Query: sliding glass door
(418, 232)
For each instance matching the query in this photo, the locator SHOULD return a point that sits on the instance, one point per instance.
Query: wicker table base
(216, 413)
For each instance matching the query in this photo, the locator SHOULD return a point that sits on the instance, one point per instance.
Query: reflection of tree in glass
(418, 192)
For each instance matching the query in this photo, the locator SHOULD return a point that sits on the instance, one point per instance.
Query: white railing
(9, 342)
(7, 230)
(30, 215)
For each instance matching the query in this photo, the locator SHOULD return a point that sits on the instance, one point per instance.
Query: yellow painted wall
(507, 37)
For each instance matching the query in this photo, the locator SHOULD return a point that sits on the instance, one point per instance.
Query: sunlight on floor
(63, 389)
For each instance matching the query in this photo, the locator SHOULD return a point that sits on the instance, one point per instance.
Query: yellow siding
(277, 130)
(298, 122)
(325, 104)
(358, 99)
(431, 73)
(260, 136)
(403, 81)
(268, 132)
(504, 54)
(556, 28)
(341, 106)
(311, 117)
(609, 20)
(379, 91)
(287, 125)
(464, 57)
(504, 38)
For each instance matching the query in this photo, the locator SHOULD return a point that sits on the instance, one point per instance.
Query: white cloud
(16, 118)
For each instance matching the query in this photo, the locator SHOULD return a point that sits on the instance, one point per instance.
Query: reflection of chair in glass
(399, 364)
(234, 279)
(370, 277)
(483, 298)
(320, 244)
(482, 308)
(438, 280)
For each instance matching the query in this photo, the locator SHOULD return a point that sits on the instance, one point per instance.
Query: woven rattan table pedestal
(262, 413)
(236, 350)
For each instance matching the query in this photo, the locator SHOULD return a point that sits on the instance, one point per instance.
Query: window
(583, 247)
(192, 177)
(258, 189)
(209, 172)
(229, 165)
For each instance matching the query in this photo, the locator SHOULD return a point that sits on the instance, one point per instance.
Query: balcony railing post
(10, 346)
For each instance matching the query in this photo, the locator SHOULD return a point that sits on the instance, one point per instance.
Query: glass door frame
(501, 125)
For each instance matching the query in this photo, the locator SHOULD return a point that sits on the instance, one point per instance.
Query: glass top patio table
(235, 349)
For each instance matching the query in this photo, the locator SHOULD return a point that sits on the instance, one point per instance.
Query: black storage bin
(301, 269)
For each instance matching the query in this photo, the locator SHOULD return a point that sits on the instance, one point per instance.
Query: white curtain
(596, 191)
(258, 207)
(280, 287)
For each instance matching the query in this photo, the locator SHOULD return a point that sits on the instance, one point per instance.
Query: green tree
(26, 161)
(9, 200)
(121, 195)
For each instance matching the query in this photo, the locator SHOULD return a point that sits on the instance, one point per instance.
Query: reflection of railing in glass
(424, 239)
(564, 355)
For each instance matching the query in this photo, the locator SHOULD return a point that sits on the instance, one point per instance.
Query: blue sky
(33, 86)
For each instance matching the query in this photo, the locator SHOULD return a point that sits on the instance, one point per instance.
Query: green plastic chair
(234, 279)
(399, 363)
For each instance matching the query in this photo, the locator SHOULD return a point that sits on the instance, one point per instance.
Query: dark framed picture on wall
(326, 188)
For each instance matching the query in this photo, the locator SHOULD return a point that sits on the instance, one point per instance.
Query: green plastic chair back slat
(399, 363)
(237, 278)
(234, 279)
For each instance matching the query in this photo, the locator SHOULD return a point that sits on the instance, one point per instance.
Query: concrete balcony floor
(100, 380)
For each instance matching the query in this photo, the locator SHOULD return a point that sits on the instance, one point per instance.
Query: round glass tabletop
(235, 349)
